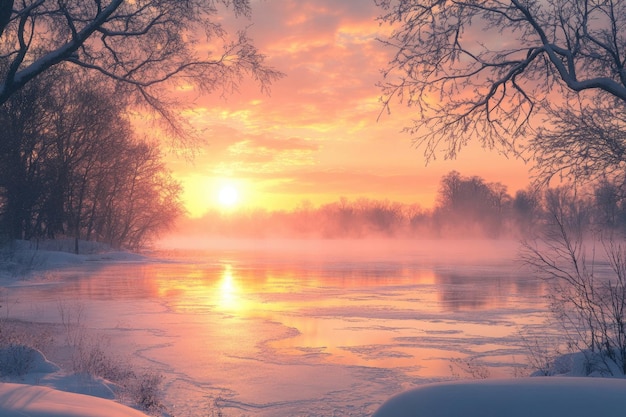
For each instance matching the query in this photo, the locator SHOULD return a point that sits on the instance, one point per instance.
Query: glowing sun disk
(228, 196)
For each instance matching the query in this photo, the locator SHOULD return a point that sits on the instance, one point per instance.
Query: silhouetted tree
(527, 211)
(142, 45)
(74, 168)
(341, 219)
(607, 204)
(139, 198)
(418, 220)
(564, 208)
(500, 207)
(24, 147)
(380, 217)
(468, 205)
(485, 69)
(585, 143)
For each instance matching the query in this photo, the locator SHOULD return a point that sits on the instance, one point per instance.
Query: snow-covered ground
(537, 397)
(46, 390)
(523, 397)
(23, 258)
(20, 400)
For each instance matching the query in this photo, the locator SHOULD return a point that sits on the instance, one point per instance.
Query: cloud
(317, 135)
(329, 52)
(340, 182)
(278, 144)
(229, 149)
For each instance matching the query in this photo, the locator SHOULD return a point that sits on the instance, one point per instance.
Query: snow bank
(21, 258)
(35, 387)
(18, 400)
(537, 397)
(32, 386)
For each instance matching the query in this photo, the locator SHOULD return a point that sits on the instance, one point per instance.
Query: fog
(366, 250)
(465, 208)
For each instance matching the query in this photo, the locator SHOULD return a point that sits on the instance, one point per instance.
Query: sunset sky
(316, 137)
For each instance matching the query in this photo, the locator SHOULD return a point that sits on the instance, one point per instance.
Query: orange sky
(316, 137)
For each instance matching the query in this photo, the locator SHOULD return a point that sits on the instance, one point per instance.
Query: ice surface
(281, 330)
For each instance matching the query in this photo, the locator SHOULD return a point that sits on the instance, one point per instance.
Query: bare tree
(468, 205)
(585, 143)
(526, 211)
(589, 302)
(485, 69)
(146, 200)
(24, 146)
(141, 44)
(72, 166)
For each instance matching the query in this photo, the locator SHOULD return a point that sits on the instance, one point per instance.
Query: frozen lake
(301, 328)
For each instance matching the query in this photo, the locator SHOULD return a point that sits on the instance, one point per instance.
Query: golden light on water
(331, 314)
(229, 291)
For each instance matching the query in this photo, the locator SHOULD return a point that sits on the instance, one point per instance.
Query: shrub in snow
(20, 351)
(18, 360)
(468, 368)
(92, 359)
(590, 306)
(15, 360)
(145, 391)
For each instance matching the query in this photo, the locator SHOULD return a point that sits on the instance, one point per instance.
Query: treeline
(71, 166)
(465, 207)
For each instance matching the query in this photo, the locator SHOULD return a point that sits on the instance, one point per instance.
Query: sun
(228, 196)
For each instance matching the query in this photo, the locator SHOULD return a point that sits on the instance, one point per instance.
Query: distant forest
(466, 207)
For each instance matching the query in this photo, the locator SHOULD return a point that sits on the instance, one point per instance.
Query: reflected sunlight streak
(229, 291)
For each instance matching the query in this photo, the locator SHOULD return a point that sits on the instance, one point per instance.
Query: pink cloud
(317, 134)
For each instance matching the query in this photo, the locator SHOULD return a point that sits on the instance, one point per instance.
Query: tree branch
(60, 54)
(464, 87)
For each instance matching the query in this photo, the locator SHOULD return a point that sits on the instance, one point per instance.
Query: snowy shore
(46, 390)
(522, 397)
(20, 400)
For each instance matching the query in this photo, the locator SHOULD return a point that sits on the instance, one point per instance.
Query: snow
(23, 259)
(46, 390)
(537, 397)
(19, 400)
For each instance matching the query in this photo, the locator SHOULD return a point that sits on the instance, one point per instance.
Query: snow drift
(523, 397)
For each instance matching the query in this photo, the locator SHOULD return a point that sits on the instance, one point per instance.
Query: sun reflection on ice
(229, 291)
